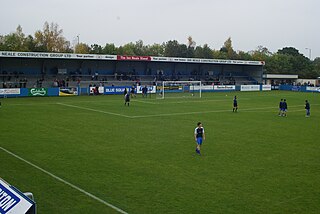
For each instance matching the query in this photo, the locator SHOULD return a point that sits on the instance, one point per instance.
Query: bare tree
(51, 39)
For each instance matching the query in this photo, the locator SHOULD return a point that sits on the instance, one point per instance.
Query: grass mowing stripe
(289, 200)
(65, 182)
(169, 114)
(215, 111)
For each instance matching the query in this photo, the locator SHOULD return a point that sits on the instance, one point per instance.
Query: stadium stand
(65, 72)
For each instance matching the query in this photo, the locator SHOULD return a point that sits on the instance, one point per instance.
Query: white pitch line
(66, 182)
(214, 111)
(296, 110)
(171, 114)
(147, 102)
(90, 109)
(189, 101)
(208, 100)
(29, 104)
(196, 112)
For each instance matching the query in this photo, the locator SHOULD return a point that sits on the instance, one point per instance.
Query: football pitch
(92, 154)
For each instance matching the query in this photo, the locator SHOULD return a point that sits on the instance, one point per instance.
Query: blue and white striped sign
(11, 201)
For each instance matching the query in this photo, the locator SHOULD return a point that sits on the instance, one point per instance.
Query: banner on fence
(116, 89)
(97, 90)
(12, 201)
(151, 89)
(203, 87)
(250, 88)
(9, 91)
(224, 87)
(68, 91)
(266, 87)
(36, 92)
(313, 89)
(296, 88)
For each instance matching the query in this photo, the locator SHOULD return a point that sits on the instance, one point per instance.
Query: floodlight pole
(309, 52)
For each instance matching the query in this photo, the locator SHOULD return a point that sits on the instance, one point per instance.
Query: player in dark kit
(132, 92)
(127, 99)
(144, 91)
(235, 104)
(199, 136)
(285, 108)
(307, 107)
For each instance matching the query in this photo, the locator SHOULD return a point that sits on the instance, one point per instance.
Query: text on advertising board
(7, 199)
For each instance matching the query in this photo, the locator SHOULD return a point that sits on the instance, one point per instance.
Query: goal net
(178, 89)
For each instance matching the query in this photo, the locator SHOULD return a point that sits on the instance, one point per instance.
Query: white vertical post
(163, 89)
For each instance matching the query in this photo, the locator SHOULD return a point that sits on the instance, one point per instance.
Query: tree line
(287, 60)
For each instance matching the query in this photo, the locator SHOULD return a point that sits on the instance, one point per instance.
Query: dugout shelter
(279, 79)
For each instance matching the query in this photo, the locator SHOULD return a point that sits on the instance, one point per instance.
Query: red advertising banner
(136, 58)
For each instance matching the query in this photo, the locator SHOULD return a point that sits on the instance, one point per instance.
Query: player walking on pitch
(199, 136)
(235, 104)
(285, 108)
(307, 107)
(127, 99)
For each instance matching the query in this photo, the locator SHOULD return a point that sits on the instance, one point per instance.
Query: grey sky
(271, 23)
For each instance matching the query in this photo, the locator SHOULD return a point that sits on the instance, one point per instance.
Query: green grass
(141, 158)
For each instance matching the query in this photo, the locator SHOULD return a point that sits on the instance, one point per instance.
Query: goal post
(178, 89)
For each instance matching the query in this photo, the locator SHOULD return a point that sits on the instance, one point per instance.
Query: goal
(178, 89)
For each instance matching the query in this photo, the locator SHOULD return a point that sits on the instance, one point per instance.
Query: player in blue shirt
(285, 108)
(199, 136)
(235, 104)
(307, 107)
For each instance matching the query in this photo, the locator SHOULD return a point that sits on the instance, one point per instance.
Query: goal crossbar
(192, 87)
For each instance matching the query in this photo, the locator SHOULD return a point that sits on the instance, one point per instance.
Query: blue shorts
(199, 140)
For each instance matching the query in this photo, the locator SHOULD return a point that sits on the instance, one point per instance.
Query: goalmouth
(178, 89)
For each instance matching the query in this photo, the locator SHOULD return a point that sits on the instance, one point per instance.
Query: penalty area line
(65, 182)
(147, 102)
(90, 109)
